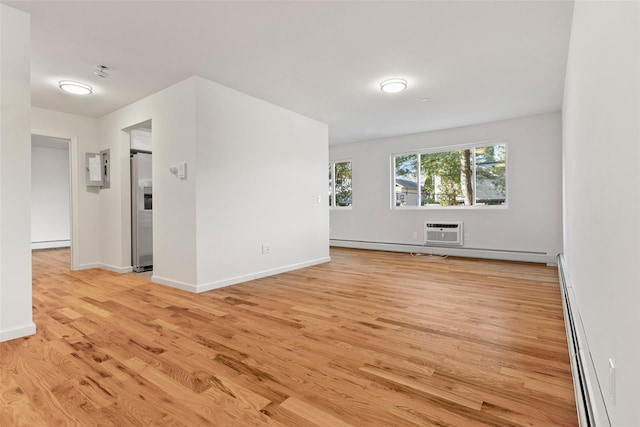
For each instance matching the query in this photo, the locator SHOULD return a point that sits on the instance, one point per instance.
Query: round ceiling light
(75, 88)
(393, 85)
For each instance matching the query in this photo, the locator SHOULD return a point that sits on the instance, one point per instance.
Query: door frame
(73, 186)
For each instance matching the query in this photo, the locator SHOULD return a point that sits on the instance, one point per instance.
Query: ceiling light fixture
(393, 85)
(75, 88)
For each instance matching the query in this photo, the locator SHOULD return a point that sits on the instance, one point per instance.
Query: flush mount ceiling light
(75, 88)
(393, 85)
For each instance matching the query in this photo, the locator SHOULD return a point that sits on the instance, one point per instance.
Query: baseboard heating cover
(589, 401)
(499, 254)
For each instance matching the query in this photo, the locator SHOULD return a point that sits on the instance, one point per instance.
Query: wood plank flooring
(369, 339)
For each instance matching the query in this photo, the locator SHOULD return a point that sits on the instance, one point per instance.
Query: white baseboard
(235, 280)
(108, 267)
(115, 269)
(51, 245)
(245, 278)
(89, 266)
(18, 332)
(504, 255)
(174, 283)
(590, 402)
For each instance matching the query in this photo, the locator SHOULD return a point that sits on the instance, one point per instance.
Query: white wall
(202, 237)
(260, 171)
(15, 180)
(83, 134)
(172, 112)
(50, 225)
(601, 116)
(530, 228)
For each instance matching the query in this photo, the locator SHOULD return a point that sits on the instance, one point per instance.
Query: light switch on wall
(182, 170)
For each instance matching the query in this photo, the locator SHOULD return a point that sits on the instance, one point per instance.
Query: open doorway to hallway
(50, 193)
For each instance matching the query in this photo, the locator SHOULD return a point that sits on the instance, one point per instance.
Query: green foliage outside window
(472, 176)
(340, 184)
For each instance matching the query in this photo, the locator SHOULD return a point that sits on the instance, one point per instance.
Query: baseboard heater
(451, 250)
(588, 414)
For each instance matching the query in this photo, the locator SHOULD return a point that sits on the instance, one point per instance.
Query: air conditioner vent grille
(445, 233)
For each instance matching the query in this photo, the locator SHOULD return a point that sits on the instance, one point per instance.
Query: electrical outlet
(266, 248)
(612, 381)
(414, 234)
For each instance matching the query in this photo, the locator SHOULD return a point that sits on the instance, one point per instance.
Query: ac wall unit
(443, 233)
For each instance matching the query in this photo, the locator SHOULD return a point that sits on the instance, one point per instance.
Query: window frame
(332, 181)
(444, 149)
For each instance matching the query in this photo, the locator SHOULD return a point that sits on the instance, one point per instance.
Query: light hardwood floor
(370, 339)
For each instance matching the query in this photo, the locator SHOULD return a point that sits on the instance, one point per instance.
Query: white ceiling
(476, 61)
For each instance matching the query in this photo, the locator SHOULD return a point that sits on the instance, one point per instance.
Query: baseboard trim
(174, 283)
(498, 254)
(115, 269)
(18, 332)
(103, 266)
(52, 244)
(235, 280)
(89, 266)
(245, 278)
(590, 402)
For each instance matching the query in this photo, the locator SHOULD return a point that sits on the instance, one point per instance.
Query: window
(468, 176)
(340, 184)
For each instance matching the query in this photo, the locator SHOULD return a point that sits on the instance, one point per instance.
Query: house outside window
(473, 175)
(340, 184)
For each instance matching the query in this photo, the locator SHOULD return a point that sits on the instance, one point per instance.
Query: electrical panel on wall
(98, 169)
(105, 168)
(93, 170)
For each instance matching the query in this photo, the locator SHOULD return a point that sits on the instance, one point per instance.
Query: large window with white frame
(340, 188)
(473, 175)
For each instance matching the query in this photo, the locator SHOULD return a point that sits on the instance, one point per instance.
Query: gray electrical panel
(98, 169)
(93, 171)
(105, 168)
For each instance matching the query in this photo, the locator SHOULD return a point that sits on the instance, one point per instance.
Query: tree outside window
(471, 176)
(340, 184)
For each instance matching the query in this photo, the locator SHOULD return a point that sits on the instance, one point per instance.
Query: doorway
(141, 185)
(50, 193)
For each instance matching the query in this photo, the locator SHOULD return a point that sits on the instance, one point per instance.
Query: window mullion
(419, 180)
(333, 185)
(335, 196)
(474, 185)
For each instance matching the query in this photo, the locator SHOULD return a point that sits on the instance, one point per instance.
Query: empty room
(319, 213)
